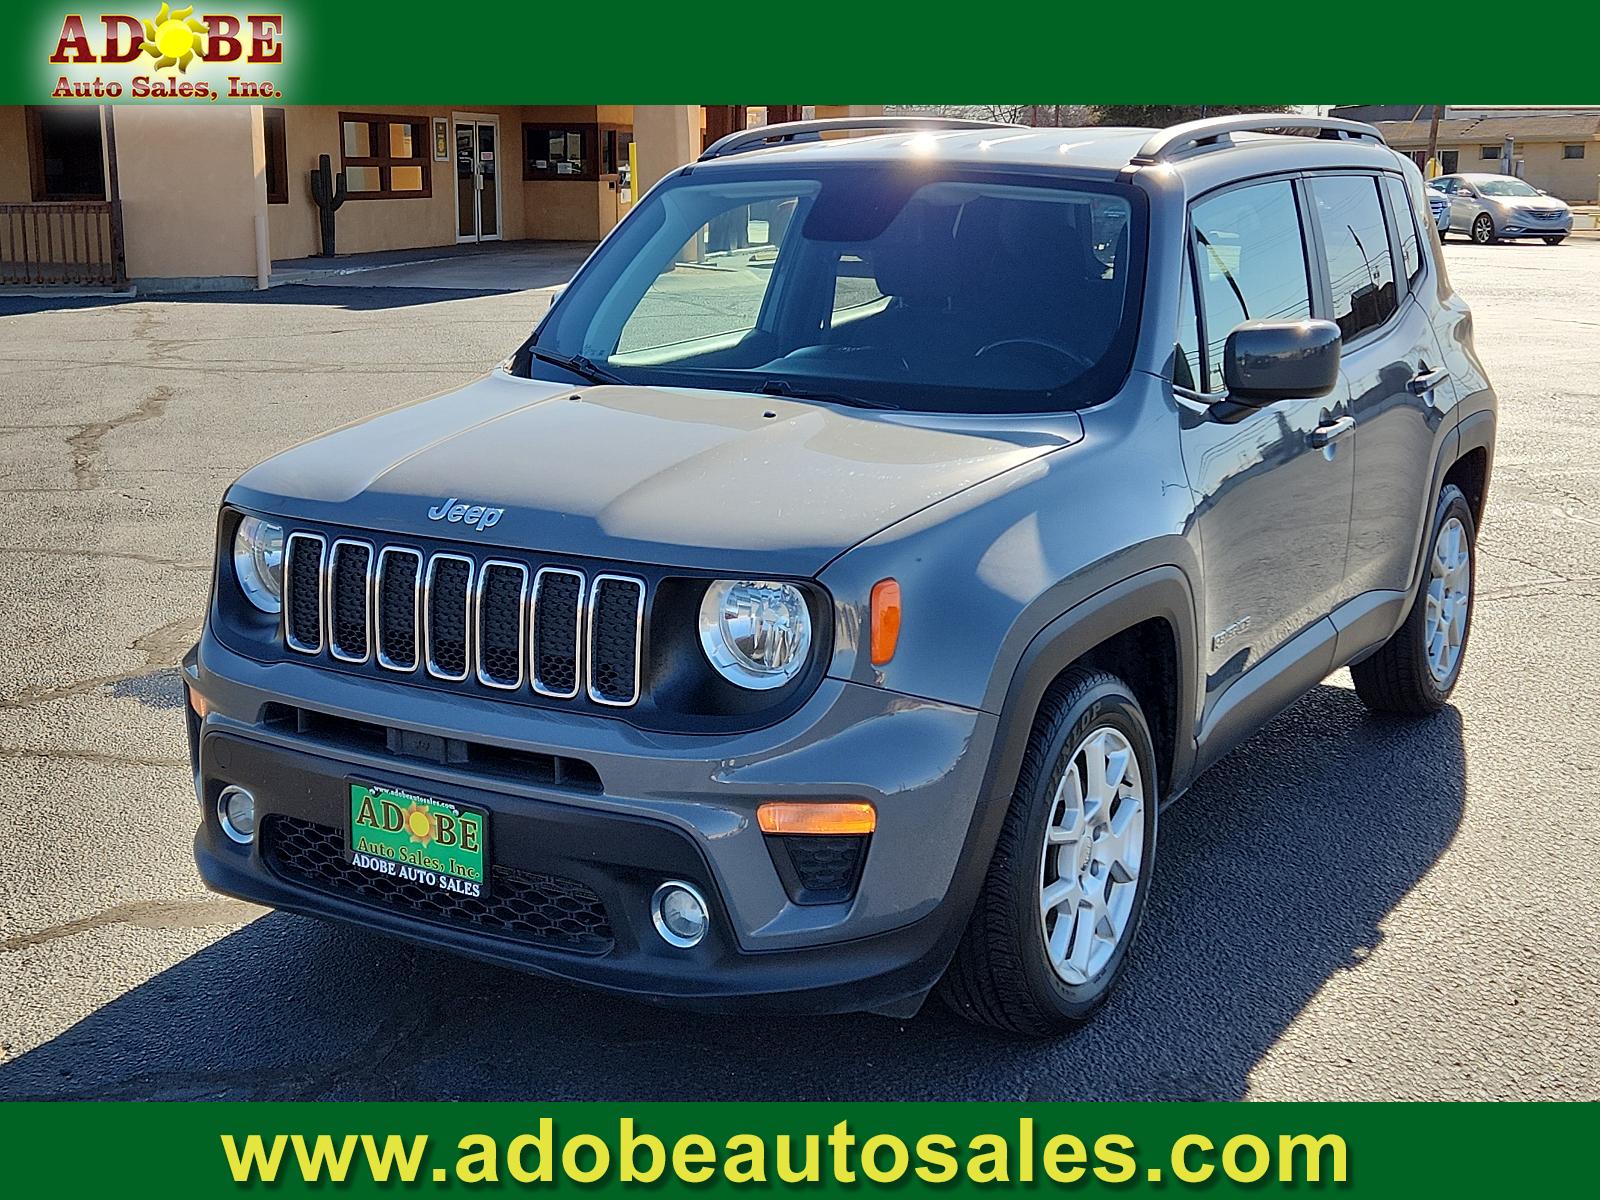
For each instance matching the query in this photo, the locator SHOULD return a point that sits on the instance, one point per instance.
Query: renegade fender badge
(479, 516)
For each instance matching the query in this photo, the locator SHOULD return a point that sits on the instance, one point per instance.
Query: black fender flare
(1158, 592)
(1477, 432)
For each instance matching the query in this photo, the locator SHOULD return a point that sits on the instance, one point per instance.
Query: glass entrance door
(477, 179)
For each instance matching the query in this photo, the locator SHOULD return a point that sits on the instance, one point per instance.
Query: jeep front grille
(502, 596)
(458, 618)
(557, 631)
(616, 611)
(302, 592)
(350, 601)
(399, 590)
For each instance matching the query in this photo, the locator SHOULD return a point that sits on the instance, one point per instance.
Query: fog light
(236, 811)
(679, 912)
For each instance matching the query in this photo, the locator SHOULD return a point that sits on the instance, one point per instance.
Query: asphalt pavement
(1344, 908)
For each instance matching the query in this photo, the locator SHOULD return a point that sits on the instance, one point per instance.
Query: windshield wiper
(782, 387)
(577, 364)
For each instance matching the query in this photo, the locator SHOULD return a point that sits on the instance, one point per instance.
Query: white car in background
(1439, 206)
(1490, 208)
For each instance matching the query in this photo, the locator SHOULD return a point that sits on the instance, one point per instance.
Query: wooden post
(119, 259)
(1433, 137)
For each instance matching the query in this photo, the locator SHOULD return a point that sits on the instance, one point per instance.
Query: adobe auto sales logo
(161, 58)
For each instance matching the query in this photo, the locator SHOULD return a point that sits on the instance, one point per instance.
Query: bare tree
(1158, 116)
(1047, 115)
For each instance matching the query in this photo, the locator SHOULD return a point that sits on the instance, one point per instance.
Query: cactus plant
(328, 191)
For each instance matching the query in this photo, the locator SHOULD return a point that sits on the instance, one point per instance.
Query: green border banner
(499, 52)
(1379, 1149)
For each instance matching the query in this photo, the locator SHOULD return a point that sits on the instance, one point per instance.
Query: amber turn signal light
(885, 620)
(791, 817)
(198, 703)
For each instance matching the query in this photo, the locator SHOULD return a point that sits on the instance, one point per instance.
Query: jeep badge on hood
(479, 516)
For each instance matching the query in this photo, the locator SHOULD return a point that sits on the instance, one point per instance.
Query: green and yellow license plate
(416, 839)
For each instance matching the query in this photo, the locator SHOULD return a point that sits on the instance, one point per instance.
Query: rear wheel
(1555, 241)
(1483, 230)
(1066, 889)
(1415, 671)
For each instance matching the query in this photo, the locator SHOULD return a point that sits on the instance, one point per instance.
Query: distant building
(1554, 148)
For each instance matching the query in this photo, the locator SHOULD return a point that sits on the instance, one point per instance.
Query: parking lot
(1345, 908)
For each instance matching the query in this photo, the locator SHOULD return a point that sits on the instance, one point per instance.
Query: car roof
(1088, 150)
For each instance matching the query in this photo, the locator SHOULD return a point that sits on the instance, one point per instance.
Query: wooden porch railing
(62, 243)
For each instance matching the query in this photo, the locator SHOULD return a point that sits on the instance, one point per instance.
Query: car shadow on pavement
(351, 297)
(1275, 875)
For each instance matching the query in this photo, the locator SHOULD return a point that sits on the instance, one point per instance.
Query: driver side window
(712, 292)
(1251, 261)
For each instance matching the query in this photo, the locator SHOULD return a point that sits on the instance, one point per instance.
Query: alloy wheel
(1483, 230)
(1449, 596)
(1093, 848)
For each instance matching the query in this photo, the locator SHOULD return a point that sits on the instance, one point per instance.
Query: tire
(1555, 241)
(1403, 676)
(1483, 230)
(1002, 974)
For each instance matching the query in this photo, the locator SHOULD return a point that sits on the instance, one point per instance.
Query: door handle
(1324, 435)
(1425, 381)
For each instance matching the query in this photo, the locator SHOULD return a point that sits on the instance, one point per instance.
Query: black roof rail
(1169, 143)
(811, 131)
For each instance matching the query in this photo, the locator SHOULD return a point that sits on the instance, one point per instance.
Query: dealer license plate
(416, 839)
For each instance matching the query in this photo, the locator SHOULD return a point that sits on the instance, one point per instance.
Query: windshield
(862, 284)
(1506, 187)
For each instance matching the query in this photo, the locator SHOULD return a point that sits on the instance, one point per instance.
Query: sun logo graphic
(174, 39)
(419, 824)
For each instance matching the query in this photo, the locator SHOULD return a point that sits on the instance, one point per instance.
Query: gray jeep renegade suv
(822, 604)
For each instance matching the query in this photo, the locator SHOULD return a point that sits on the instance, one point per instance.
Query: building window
(64, 155)
(1488, 152)
(277, 156)
(614, 160)
(559, 152)
(1449, 161)
(1572, 150)
(385, 158)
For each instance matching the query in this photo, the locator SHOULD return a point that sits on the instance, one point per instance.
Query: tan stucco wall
(1575, 179)
(578, 210)
(15, 185)
(192, 181)
(1571, 179)
(666, 136)
(363, 225)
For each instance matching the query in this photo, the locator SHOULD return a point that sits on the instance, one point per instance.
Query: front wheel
(1555, 241)
(1415, 671)
(1483, 230)
(1066, 889)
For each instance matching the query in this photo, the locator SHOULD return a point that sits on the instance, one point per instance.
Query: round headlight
(258, 563)
(757, 634)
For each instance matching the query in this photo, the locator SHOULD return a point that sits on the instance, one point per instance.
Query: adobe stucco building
(183, 197)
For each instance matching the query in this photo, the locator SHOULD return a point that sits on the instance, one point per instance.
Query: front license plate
(416, 839)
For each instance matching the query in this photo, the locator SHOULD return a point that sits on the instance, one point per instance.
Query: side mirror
(1264, 361)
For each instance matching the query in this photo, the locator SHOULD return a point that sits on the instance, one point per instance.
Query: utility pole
(1433, 136)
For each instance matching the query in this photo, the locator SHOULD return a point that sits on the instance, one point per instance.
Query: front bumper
(669, 807)
(1515, 226)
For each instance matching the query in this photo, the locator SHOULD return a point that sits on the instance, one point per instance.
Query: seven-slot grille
(459, 618)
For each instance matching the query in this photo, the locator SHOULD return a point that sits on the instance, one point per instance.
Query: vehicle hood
(1541, 204)
(703, 479)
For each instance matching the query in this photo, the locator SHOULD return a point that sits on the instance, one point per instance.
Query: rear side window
(1251, 261)
(1405, 220)
(1361, 271)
